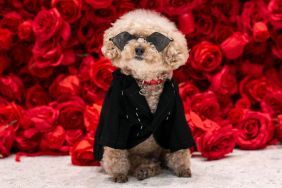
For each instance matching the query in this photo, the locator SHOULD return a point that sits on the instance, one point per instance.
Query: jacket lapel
(137, 100)
(165, 101)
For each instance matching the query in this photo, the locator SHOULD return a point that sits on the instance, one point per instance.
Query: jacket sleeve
(181, 136)
(110, 132)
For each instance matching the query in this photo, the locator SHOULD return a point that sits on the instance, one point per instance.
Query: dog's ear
(109, 49)
(176, 53)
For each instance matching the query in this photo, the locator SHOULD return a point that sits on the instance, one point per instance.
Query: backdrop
(53, 76)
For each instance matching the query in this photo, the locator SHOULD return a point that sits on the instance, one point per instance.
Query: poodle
(142, 124)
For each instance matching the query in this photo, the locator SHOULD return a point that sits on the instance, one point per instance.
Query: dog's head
(144, 41)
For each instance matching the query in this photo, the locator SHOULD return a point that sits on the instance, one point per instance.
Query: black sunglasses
(157, 39)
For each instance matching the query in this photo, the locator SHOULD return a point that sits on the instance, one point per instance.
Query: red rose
(205, 56)
(216, 144)
(187, 72)
(11, 88)
(197, 124)
(209, 125)
(260, 32)
(104, 16)
(280, 72)
(225, 103)
(277, 47)
(101, 73)
(226, 11)
(224, 82)
(73, 136)
(65, 85)
(20, 56)
(235, 115)
(187, 90)
(36, 96)
(6, 39)
(93, 45)
(206, 105)
(273, 78)
(91, 117)
(186, 23)
(272, 103)
(11, 21)
(86, 29)
(251, 69)
(254, 131)
(10, 114)
(25, 30)
(3, 102)
(27, 140)
(275, 10)
(47, 24)
(69, 57)
(256, 49)
(47, 54)
(69, 9)
(221, 32)
(278, 129)
(125, 6)
(234, 45)
(7, 136)
(176, 7)
(53, 140)
(41, 118)
(180, 74)
(71, 112)
(5, 61)
(85, 68)
(33, 125)
(243, 102)
(82, 153)
(254, 88)
(204, 21)
(37, 70)
(28, 8)
(92, 93)
(96, 4)
(253, 12)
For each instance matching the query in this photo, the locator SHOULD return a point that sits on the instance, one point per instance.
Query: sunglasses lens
(122, 39)
(158, 40)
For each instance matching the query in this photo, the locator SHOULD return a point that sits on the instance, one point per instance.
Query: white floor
(241, 169)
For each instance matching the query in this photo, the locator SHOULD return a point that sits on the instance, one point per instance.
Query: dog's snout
(139, 51)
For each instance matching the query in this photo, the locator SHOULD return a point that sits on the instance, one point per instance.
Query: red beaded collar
(152, 82)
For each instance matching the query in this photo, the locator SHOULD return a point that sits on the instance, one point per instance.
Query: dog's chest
(152, 94)
(147, 148)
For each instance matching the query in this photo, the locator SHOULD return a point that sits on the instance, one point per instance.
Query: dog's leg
(143, 168)
(179, 162)
(115, 162)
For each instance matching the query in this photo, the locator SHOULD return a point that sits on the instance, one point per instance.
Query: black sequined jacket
(126, 119)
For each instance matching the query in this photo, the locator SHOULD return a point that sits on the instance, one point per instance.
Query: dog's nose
(139, 51)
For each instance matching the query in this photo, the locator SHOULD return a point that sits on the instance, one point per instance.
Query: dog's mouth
(140, 58)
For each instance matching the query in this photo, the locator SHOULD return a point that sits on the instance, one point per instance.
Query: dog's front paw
(184, 173)
(142, 173)
(120, 178)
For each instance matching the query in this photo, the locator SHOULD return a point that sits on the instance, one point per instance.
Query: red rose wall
(53, 76)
